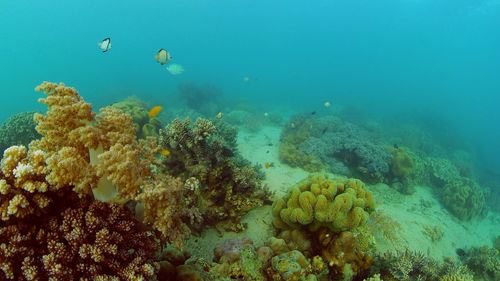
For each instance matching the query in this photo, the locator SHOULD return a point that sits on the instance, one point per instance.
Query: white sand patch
(411, 212)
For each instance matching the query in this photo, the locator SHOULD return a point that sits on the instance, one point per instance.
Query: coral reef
(434, 233)
(464, 198)
(229, 185)
(384, 225)
(48, 232)
(339, 204)
(145, 126)
(415, 266)
(342, 252)
(100, 156)
(484, 262)
(19, 129)
(289, 154)
(442, 171)
(401, 164)
(230, 249)
(331, 140)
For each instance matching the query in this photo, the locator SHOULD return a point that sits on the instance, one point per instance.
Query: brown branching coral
(229, 185)
(90, 241)
(48, 232)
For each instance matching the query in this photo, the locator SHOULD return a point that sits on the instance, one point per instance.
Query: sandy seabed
(412, 212)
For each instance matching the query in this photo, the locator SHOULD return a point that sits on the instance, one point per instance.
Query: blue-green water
(414, 88)
(440, 58)
(433, 60)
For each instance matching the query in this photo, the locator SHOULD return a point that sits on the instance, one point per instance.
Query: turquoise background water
(435, 61)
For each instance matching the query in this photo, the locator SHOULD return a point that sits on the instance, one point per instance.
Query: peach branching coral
(100, 155)
(22, 185)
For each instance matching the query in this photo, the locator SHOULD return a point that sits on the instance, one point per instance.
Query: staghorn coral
(19, 129)
(229, 185)
(316, 201)
(464, 198)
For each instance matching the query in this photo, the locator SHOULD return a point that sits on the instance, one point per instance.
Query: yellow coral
(402, 164)
(316, 201)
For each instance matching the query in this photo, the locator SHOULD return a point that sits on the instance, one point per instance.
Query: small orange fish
(267, 165)
(165, 152)
(155, 111)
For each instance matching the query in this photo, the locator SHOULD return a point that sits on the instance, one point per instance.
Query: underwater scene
(250, 140)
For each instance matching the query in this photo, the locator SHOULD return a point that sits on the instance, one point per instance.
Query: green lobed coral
(401, 164)
(138, 110)
(289, 154)
(464, 198)
(339, 204)
(19, 129)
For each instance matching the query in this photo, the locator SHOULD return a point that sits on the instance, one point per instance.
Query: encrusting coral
(339, 204)
(228, 185)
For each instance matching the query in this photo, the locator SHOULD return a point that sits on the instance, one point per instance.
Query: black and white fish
(105, 45)
(163, 57)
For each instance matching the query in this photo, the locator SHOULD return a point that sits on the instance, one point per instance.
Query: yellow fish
(163, 57)
(155, 111)
(267, 165)
(327, 104)
(219, 115)
(165, 152)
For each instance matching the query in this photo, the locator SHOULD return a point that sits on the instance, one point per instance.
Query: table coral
(316, 201)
